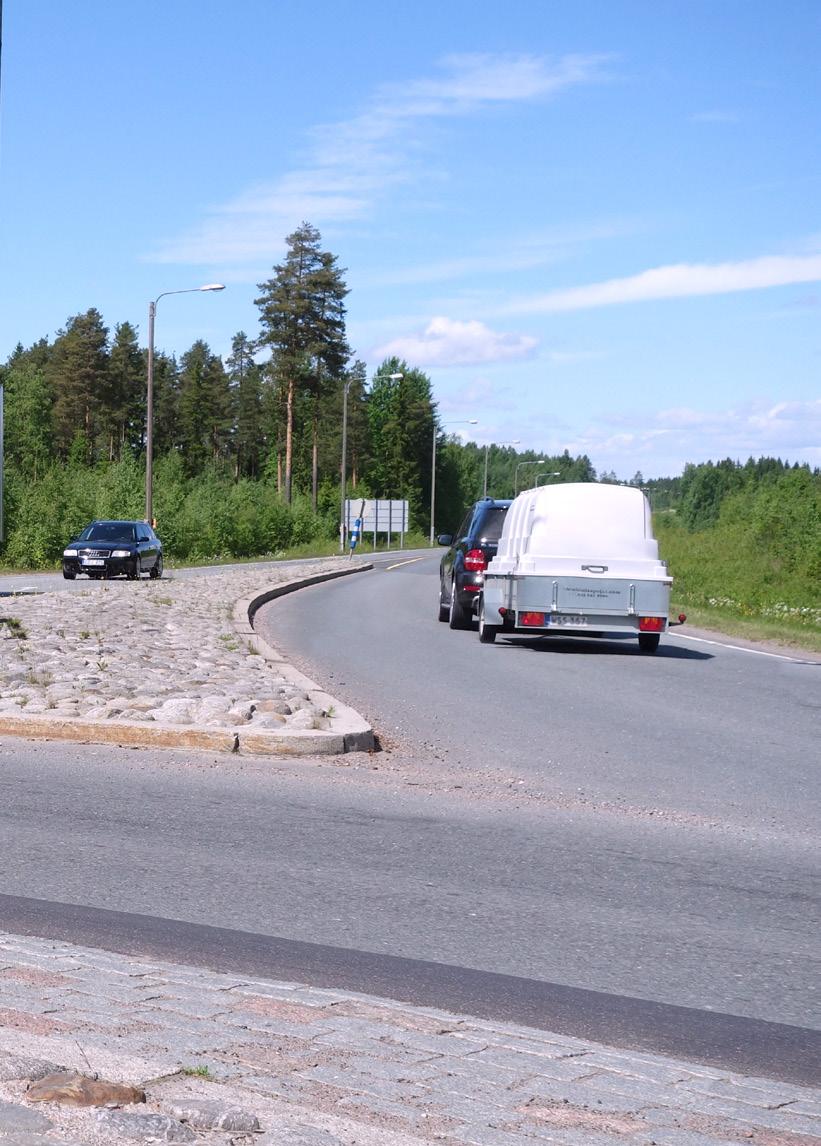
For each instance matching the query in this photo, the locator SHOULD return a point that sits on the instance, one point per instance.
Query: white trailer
(577, 558)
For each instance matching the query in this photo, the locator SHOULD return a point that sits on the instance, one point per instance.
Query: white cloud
(660, 444)
(446, 342)
(352, 163)
(682, 280)
(518, 254)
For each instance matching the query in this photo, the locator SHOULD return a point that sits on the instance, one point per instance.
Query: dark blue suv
(462, 568)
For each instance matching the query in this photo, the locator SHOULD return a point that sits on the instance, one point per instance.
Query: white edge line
(399, 564)
(742, 649)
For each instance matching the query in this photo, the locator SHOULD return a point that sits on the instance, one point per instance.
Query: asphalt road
(663, 841)
(698, 731)
(602, 826)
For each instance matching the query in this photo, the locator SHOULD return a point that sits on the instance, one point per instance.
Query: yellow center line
(399, 564)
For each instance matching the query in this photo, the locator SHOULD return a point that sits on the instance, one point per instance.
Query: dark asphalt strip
(747, 1046)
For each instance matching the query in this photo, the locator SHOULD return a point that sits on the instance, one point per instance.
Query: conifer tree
(401, 418)
(78, 372)
(204, 407)
(302, 315)
(124, 400)
(245, 378)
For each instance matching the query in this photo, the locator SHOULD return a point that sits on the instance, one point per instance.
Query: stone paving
(227, 1059)
(124, 661)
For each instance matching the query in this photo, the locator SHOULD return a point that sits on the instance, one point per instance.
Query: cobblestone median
(226, 1059)
(159, 654)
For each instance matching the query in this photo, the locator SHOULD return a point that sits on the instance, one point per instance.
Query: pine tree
(78, 372)
(302, 315)
(245, 378)
(124, 407)
(401, 418)
(204, 407)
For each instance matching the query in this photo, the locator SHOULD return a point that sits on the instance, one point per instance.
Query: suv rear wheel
(444, 609)
(458, 617)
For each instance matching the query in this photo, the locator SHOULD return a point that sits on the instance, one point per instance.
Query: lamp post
(536, 462)
(552, 474)
(149, 404)
(460, 422)
(514, 442)
(343, 475)
(2, 394)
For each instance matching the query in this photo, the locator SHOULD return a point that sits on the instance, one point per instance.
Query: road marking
(399, 564)
(742, 649)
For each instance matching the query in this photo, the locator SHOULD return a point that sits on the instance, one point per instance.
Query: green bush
(199, 518)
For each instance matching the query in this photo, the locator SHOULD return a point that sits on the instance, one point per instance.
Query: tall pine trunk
(289, 438)
(315, 455)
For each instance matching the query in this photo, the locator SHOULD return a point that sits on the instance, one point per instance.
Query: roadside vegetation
(744, 546)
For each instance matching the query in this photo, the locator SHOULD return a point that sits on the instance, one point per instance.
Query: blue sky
(596, 226)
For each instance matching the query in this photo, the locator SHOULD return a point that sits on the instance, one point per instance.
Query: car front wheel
(133, 573)
(69, 574)
(156, 569)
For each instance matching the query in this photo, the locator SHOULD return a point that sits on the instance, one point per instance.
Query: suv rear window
(489, 524)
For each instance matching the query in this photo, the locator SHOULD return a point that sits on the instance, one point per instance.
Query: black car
(462, 569)
(114, 548)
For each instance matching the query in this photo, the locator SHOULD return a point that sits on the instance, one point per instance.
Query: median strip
(170, 663)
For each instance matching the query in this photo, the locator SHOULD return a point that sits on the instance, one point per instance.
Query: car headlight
(121, 553)
(69, 553)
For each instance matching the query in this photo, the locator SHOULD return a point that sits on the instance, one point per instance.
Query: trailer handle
(595, 568)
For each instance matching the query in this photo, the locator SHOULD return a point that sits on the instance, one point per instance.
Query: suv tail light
(475, 561)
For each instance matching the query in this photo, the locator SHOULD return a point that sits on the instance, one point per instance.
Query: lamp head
(212, 286)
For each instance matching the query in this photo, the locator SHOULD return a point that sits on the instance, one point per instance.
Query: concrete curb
(356, 733)
(349, 732)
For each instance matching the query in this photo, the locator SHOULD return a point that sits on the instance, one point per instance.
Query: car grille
(95, 552)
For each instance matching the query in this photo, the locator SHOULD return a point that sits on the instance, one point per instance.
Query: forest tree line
(248, 449)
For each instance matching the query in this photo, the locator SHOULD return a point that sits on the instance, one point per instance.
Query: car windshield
(108, 531)
(491, 529)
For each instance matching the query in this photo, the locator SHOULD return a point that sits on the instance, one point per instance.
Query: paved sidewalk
(309, 1067)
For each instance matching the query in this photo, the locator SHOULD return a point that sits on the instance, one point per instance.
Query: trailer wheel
(648, 642)
(487, 633)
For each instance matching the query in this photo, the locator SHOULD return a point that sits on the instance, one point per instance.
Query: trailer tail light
(475, 561)
(651, 624)
(535, 619)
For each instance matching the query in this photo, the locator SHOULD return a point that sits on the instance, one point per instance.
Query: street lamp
(149, 405)
(535, 462)
(1, 463)
(552, 474)
(460, 422)
(344, 465)
(514, 442)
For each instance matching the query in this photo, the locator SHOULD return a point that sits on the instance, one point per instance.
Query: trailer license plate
(571, 621)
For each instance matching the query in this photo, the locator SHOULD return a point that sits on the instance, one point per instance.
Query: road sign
(379, 515)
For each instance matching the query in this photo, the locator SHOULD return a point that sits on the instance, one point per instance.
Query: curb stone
(349, 732)
(357, 734)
